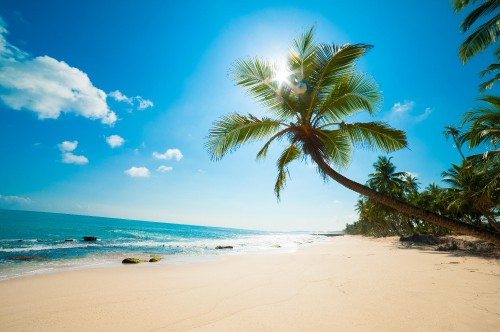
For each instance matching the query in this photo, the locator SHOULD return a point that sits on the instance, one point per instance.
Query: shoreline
(348, 283)
(114, 261)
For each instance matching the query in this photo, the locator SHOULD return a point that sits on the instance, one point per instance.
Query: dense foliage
(471, 195)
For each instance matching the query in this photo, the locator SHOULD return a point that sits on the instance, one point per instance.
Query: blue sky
(105, 106)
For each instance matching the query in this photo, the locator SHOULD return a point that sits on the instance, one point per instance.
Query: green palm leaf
(290, 154)
(489, 83)
(483, 10)
(460, 4)
(353, 93)
(231, 131)
(332, 61)
(257, 76)
(302, 54)
(337, 148)
(480, 39)
(484, 123)
(374, 135)
(263, 152)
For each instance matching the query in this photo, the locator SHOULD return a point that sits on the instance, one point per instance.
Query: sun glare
(281, 73)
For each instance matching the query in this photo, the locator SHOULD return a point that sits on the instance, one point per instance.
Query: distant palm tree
(483, 36)
(468, 191)
(457, 138)
(309, 101)
(410, 184)
(385, 179)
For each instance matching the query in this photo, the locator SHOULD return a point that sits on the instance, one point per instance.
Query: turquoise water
(37, 242)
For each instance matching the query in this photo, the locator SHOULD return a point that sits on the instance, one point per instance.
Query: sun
(281, 73)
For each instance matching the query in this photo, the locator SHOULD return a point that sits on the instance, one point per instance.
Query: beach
(349, 283)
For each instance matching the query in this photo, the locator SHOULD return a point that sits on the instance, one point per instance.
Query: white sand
(349, 284)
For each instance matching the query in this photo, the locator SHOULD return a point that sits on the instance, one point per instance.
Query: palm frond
(356, 92)
(490, 69)
(484, 123)
(483, 10)
(290, 154)
(231, 131)
(374, 135)
(257, 76)
(460, 4)
(480, 39)
(263, 152)
(337, 148)
(489, 83)
(332, 61)
(302, 54)
(492, 100)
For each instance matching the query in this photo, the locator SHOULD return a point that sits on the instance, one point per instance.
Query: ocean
(40, 242)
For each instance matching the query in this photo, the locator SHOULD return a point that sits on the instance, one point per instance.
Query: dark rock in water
(330, 234)
(154, 259)
(421, 239)
(22, 258)
(89, 238)
(69, 240)
(132, 261)
(19, 240)
(224, 247)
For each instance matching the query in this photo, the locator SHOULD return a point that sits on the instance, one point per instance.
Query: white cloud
(69, 158)
(169, 154)
(118, 96)
(14, 199)
(115, 141)
(68, 146)
(142, 103)
(140, 172)
(163, 169)
(424, 115)
(406, 106)
(49, 87)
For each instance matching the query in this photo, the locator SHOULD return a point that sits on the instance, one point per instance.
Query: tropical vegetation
(309, 101)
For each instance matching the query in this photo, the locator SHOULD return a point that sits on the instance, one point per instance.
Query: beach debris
(89, 238)
(132, 261)
(154, 259)
(224, 247)
(276, 246)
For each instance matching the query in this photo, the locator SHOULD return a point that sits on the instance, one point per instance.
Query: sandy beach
(348, 284)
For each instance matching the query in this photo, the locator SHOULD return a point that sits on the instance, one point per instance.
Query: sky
(105, 105)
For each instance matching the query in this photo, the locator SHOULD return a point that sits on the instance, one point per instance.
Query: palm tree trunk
(436, 219)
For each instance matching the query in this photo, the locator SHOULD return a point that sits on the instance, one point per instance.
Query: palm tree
(484, 124)
(385, 179)
(483, 36)
(309, 102)
(456, 134)
(469, 191)
(410, 184)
